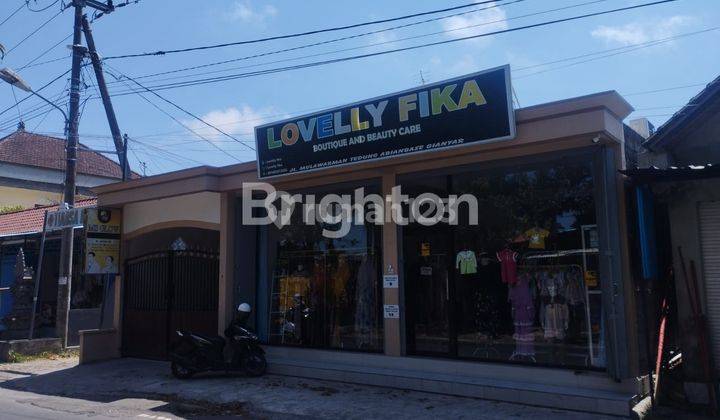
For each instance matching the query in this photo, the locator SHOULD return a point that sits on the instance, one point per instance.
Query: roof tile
(31, 220)
(24, 148)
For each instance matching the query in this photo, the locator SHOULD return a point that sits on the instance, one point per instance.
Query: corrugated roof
(31, 221)
(673, 173)
(693, 109)
(24, 148)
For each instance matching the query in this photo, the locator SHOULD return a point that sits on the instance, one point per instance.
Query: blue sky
(238, 105)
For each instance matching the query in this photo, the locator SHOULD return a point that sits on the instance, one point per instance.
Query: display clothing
(523, 313)
(466, 262)
(289, 287)
(508, 265)
(339, 280)
(556, 320)
(575, 288)
(365, 317)
(554, 315)
(536, 237)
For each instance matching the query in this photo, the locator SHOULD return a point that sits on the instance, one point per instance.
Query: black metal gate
(164, 292)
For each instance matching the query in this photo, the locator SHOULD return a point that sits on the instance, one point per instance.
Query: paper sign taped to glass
(102, 255)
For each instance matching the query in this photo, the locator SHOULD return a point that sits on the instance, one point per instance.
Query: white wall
(200, 207)
(50, 176)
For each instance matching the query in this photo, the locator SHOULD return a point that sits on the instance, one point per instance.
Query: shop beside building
(677, 187)
(21, 231)
(530, 301)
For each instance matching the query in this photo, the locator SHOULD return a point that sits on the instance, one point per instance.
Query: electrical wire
(37, 90)
(178, 121)
(36, 30)
(54, 60)
(623, 50)
(28, 64)
(181, 108)
(300, 34)
(315, 44)
(166, 151)
(381, 53)
(13, 13)
(27, 3)
(646, 92)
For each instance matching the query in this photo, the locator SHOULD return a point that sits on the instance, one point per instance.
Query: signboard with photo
(102, 242)
(102, 256)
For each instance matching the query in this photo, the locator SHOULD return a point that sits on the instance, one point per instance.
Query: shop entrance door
(428, 292)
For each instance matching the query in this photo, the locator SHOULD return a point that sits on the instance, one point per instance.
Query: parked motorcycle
(195, 353)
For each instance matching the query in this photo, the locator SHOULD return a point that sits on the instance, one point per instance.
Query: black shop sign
(466, 110)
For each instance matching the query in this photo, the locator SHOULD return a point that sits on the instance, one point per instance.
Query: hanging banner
(466, 110)
(102, 255)
(102, 240)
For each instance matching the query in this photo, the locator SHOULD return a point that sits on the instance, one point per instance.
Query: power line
(35, 31)
(36, 90)
(315, 44)
(182, 109)
(13, 13)
(300, 34)
(177, 120)
(44, 52)
(380, 53)
(27, 3)
(618, 51)
(665, 89)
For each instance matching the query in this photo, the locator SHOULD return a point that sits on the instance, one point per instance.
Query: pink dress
(508, 265)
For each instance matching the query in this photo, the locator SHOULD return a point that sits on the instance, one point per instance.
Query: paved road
(144, 389)
(17, 405)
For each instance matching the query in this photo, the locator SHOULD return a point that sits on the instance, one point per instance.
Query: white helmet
(244, 307)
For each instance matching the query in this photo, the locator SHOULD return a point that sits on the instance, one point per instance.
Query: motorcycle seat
(215, 340)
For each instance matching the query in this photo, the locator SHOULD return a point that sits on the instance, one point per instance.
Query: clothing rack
(587, 296)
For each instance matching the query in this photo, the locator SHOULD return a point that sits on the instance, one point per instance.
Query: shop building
(531, 302)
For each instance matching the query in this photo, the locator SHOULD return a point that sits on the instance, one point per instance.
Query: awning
(683, 173)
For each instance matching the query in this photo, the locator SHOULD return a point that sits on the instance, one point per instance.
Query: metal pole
(125, 163)
(102, 86)
(38, 274)
(66, 247)
(106, 280)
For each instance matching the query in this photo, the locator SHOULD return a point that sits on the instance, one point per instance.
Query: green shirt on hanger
(466, 262)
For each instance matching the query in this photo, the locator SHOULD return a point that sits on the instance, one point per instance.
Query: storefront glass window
(325, 292)
(521, 285)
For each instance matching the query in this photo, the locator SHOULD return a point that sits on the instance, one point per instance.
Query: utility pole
(66, 246)
(109, 111)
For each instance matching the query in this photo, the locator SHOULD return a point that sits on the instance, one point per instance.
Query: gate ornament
(178, 245)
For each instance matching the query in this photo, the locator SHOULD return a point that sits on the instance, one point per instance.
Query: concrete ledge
(29, 347)
(543, 387)
(96, 345)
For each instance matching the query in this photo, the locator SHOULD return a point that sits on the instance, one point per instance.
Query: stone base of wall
(29, 347)
(96, 345)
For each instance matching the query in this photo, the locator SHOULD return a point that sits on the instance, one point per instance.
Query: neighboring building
(552, 193)
(22, 230)
(678, 199)
(32, 170)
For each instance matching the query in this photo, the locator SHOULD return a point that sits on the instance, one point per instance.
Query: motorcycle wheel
(255, 364)
(179, 371)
